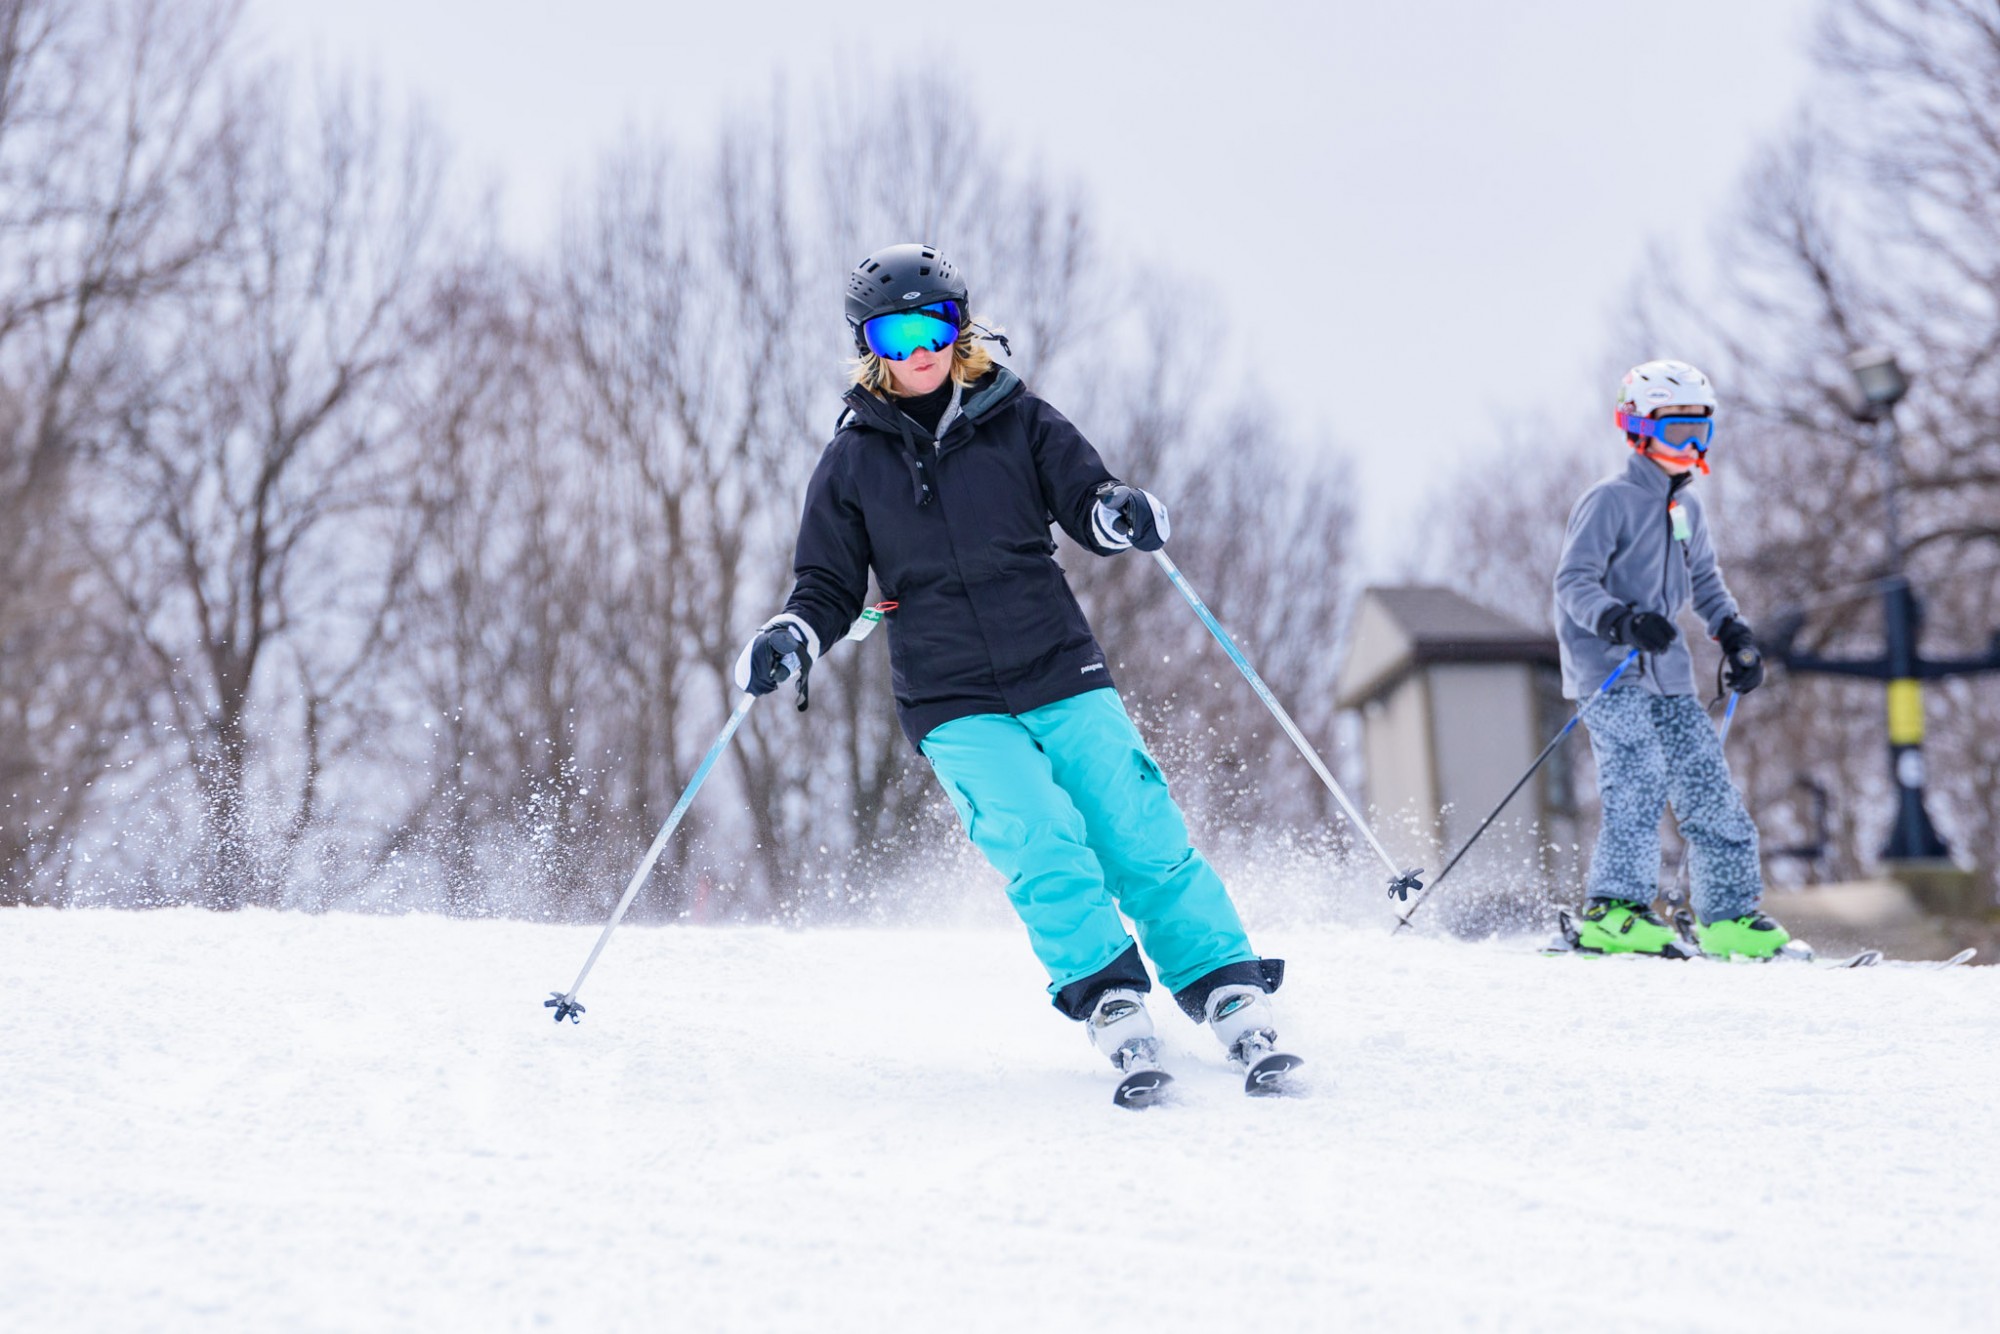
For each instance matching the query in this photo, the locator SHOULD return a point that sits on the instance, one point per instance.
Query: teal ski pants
(1066, 803)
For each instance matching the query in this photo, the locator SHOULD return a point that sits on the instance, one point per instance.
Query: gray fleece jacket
(1635, 539)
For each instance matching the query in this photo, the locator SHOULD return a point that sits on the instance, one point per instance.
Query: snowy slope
(267, 1121)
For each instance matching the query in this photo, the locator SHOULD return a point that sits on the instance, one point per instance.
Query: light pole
(1880, 384)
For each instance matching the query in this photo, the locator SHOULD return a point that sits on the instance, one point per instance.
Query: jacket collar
(981, 400)
(990, 393)
(1649, 476)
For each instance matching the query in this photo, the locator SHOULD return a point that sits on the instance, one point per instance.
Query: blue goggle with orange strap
(931, 328)
(1676, 433)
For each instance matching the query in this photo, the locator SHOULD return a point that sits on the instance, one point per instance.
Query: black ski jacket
(957, 532)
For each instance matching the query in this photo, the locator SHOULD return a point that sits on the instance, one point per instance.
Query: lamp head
(1878, 381)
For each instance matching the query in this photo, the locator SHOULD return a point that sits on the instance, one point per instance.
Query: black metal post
(1912, 837)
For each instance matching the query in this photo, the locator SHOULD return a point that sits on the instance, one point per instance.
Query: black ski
(1271, 1076)
(1141, 1088)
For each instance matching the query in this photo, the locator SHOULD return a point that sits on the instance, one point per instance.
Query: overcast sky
(1447, 198)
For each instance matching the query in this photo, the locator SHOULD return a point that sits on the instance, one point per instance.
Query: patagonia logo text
(1094, 667)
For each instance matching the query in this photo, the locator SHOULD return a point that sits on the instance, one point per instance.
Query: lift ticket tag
(1679, 515)
(870, 617)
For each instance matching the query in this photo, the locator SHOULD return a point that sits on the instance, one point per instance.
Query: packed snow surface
(271, 1121)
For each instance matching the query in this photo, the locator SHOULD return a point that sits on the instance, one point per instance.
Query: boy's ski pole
(1401, 882)
(1676, 895)
(564, 1003)
(1403, 920)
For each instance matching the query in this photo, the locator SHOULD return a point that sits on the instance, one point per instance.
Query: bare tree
(110, 118)
(256, 482)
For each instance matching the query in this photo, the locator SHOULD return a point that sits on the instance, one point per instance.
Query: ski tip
(1272, 1075)
(1963, 956)
(1142, 1088)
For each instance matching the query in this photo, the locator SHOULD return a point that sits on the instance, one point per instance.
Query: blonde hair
(970, 359)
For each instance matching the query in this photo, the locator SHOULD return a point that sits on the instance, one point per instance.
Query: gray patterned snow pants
(1650, 748)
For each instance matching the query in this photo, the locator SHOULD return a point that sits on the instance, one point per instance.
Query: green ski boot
(1751, 936)
(1618, 926)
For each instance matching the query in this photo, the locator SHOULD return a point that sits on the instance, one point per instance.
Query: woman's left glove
(1742, 660)
(1125, 516)
(782, 646)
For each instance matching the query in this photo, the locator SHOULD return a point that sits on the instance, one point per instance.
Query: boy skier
(1636, 554)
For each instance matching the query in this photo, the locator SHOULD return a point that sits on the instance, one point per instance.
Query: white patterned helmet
(1658, 384)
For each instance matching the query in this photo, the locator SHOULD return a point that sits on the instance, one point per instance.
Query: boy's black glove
(1742, 662)
(1646, 630)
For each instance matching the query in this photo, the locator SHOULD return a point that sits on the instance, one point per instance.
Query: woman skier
(943, 477)
(1636, 555)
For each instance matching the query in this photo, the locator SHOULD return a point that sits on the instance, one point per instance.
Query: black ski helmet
(902, 277)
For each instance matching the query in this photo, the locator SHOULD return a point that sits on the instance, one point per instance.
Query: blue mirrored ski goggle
(895, 337)
(1674, 432)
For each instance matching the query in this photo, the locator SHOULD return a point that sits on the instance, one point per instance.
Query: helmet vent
(924, 272)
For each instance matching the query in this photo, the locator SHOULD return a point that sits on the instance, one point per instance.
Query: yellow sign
(1906, 712)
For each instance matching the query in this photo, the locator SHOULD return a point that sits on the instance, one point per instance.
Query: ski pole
(1401, 882)
(1676, 897)
(564, 1003)
(1404, 919)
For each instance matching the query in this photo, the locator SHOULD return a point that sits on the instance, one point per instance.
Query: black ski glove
(1742, 661)
(772, 655)
(1646, 630)
(1125, 516)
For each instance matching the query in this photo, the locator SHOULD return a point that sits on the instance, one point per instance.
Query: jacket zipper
(1667, 565)
(1666, 579)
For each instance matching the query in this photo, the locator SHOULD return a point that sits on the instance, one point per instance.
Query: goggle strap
(939, 316)
(987, 335)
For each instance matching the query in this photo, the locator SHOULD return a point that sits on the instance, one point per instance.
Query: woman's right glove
(782, 646)
(1645, 630)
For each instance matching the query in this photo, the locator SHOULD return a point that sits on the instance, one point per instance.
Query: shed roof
(1398, 629)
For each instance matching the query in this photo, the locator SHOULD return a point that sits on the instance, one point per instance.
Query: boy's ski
(1796, 951)
(1963, 956)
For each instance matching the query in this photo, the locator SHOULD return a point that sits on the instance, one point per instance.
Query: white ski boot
(1242, 1019)
(1120, 1028)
